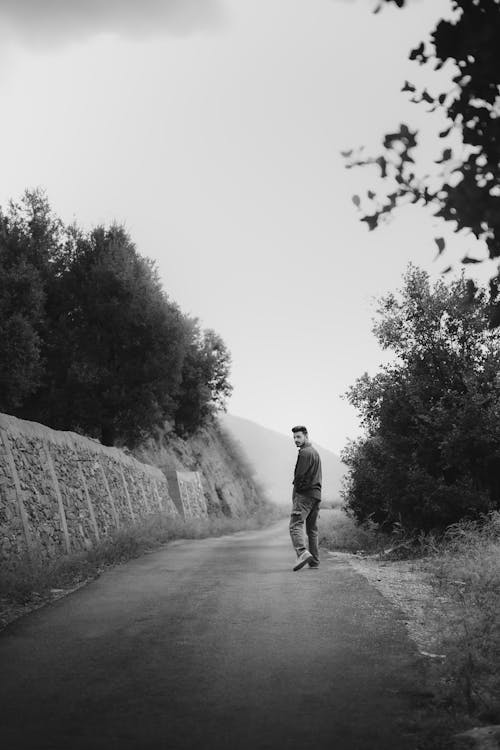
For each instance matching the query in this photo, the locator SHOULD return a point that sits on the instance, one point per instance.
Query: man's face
(299, 439)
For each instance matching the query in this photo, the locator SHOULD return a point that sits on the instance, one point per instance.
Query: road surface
(213, 643)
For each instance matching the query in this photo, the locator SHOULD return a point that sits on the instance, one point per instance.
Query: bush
(431, 455)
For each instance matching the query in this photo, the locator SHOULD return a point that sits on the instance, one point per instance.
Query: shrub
(430, 455)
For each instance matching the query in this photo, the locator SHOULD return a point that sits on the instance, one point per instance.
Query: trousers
(305, 510)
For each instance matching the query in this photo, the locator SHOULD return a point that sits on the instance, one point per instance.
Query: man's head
(300, 436)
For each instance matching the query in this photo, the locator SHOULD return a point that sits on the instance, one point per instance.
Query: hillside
(228, 487)
(273, 456)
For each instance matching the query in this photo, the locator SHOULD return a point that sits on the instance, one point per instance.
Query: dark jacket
(307, 475)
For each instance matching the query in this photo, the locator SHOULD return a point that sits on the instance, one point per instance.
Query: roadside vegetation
(89, 339)
(339, 531)
(430, 455)
(464, 569)
(460, 601)
(423, 482)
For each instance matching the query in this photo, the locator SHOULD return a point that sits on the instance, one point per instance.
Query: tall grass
(338, 531)
(464, 569)
(28, 578)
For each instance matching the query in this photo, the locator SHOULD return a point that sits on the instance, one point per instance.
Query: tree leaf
(446, 132)
(408, 87)
(447, 153)
(382, 162)
(418, 52)
(440, 244)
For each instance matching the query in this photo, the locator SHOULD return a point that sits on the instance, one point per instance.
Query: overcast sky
(213, 130)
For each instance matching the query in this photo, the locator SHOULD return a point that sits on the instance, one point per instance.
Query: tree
(31, 238)
(89, 341)
(466, 188)
(21, 311)
(431, 454)
(205, 379)
(117, 343)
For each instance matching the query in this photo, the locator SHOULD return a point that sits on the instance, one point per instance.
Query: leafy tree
(21, 311)
(431, 454)
(89, 340)
(205, 379)
(466, 188)
(31, 238)
(117, 345)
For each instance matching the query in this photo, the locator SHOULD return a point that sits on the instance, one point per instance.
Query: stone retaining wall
(186, 489)
(61, 492)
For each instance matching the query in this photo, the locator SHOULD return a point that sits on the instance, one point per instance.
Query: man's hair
(299, 428)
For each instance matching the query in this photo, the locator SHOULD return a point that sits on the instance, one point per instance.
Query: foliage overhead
(89, 341)
(431, 453)
(466, 188)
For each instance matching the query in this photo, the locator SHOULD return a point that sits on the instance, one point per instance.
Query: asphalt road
(213, 644)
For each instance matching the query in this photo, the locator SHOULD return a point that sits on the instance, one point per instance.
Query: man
(305, 500)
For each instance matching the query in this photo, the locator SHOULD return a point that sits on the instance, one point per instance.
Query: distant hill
(273, 455)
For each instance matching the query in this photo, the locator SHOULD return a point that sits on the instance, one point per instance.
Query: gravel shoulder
(405, 584)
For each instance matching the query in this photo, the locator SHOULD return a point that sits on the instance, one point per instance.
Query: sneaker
(302, 560)
(313, 565)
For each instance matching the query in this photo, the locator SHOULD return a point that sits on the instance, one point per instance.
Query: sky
(213, 129)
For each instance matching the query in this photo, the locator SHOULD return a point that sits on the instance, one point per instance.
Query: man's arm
(303, 465)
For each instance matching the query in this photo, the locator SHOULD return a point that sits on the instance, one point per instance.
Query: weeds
(338, 531)
(462, 567)
(465, 573)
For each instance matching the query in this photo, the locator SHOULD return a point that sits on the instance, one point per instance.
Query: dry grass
(339, 532)
(452, 599)
(464, 570)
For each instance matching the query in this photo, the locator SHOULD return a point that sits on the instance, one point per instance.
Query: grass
(338, 531)
(463, 568)
(26, 580)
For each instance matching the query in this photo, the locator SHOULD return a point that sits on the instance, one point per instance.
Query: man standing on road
(305, 500)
